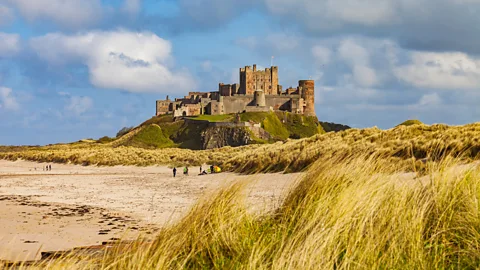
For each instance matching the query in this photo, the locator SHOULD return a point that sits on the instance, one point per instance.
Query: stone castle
(258, 91)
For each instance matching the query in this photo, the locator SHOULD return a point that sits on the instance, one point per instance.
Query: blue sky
(73, 69)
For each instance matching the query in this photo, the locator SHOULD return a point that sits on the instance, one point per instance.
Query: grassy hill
(164, 132)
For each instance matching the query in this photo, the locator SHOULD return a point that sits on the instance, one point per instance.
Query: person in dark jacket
(174, 171)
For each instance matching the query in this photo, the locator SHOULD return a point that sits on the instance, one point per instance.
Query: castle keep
(258, 91)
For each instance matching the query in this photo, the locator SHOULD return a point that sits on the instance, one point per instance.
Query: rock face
(217, 137)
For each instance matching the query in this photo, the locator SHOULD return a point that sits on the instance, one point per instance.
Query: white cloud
(9, 44)
(6, 15)
(430, 100)
(358, 58)
(71, 13)
(7, 100)
(136, 62)
(327, 13)
(79, 105)
(353, 53)
(365, 76)
(321, 54)
(441, 71)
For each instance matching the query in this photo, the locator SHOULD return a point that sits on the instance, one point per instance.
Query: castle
(258, 91)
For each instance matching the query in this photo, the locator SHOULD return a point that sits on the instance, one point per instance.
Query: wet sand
(73, 205)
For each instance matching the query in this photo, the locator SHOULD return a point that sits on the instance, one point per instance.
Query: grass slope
(403, 145)
(151, 136)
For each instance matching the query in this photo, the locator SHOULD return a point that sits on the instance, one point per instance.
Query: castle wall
(217, 108)
(237, 104)
(163, 107)
(278, 102)
(188, 110)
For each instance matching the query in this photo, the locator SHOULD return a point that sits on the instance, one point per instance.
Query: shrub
(123, 131)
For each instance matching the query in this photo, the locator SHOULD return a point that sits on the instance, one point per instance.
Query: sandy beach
(74, 205)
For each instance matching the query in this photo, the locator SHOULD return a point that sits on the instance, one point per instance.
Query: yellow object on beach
(217, 169)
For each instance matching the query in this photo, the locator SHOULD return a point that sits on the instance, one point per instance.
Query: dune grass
(349, 212)
(400, 145)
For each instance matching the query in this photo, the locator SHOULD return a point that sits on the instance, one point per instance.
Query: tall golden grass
(349, 212)
(400, 144)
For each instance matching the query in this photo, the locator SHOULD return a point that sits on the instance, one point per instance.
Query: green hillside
(163, 131)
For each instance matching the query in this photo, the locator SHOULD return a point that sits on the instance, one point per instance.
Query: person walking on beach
(174, 171)
(185, 171)
(201, 169)
(49, 167)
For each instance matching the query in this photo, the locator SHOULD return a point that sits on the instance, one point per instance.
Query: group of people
(202, 172)
(47, 168)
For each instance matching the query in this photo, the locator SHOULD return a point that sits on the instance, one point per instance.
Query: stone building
(258, 91)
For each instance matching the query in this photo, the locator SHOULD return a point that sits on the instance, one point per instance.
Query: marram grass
(399, 145)
(348, 212)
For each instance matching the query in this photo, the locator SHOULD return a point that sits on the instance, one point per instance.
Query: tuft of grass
(105, 139)
(410, 123)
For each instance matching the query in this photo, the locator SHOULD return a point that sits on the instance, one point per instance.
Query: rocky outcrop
(217, 137)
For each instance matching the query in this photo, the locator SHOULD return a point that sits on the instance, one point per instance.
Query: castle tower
(274, 80)
(260, 98)
(308, 94)
(253, 79)
(246, 81)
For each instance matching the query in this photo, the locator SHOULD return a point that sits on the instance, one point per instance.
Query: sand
(73, 205)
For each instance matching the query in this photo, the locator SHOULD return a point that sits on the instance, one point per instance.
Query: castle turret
(308, 95)
(260, 98)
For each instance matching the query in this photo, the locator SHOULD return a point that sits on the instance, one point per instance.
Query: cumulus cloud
(456, 71)
(7, 100)
(321, 54)
(358, 58)
(419, 24)
(430, 100)
(79, 105)
(6, 14)
(330, 14)
(9, 44)
(135, 62)
(71, 13)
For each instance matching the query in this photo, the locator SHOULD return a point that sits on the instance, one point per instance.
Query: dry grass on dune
(348, 212)
(399, 144)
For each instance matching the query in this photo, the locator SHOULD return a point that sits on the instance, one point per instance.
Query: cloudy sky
(72, 69)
